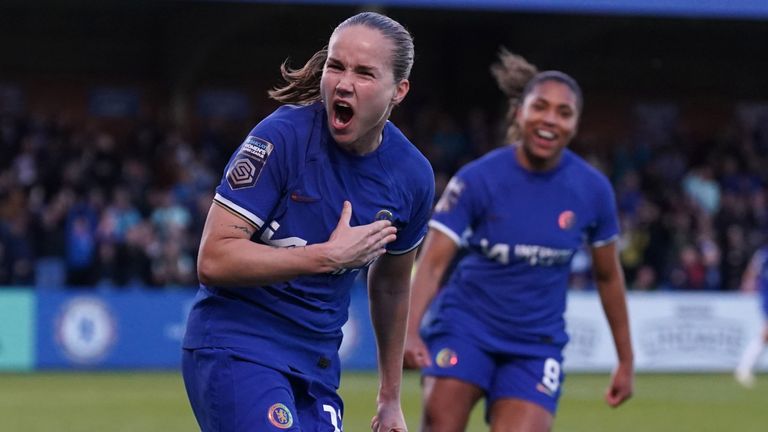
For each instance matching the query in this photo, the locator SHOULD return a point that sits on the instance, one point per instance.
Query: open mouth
(342, 114)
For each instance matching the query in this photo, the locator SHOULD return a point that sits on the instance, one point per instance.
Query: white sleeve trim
(250, 217)
(403, 252)
(445, 230)
(609, 240)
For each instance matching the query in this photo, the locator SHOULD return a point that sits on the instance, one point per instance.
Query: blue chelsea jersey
(521, 229)
(289, 179)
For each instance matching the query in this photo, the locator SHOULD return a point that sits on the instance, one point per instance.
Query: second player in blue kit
(495, 329)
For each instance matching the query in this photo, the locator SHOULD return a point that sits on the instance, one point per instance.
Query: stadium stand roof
(731, 9)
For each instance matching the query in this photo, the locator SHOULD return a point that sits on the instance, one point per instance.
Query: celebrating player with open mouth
(319, 190)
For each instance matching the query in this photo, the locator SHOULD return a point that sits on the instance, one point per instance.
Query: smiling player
(496, 329)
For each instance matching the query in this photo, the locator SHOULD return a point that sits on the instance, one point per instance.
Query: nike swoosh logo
(303, 198)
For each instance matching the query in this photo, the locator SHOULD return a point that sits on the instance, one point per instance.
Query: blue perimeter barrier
(135, 329)
(139, 329)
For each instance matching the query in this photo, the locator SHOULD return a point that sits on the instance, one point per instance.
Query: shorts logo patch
(247, 165)
(566, 220)
(280, 416)
(540, 387)
(446, 358)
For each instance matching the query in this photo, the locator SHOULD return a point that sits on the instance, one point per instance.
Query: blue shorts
(534, 379)
(231, 393)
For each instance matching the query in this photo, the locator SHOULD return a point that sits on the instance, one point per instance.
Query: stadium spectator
(496, 329)
(700, 186)
(325, 188)
(16, 257)
(81, 238)
(645, 279)
(755, 280)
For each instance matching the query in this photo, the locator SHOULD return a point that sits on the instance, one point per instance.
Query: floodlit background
(117, 118)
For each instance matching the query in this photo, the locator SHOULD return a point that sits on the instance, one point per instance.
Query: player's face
(548, 119)
(358, 87)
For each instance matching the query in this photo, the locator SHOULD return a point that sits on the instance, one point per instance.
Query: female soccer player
(496, 328)
(322, 188)
(755, 278)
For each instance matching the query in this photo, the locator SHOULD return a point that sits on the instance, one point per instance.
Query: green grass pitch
(123, 401)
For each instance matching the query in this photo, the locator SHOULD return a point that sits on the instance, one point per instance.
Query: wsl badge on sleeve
(248, 163)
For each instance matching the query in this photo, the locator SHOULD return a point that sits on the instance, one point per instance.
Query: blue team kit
(289, 180)
(498, 322)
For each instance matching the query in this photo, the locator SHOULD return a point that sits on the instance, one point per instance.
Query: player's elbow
(204, 273)
(207, 269)
(211, 261)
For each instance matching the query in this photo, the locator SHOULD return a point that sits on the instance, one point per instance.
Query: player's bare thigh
(516, 415)
(447, 404)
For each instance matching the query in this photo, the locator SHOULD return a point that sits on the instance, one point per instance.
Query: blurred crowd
(84, 207)
(692, 211)
(93, 206)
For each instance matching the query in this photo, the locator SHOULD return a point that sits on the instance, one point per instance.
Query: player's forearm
(611, 287)
(424, 288)
(389, 312)
(241, 262)
(614, 303)
(389, 293)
